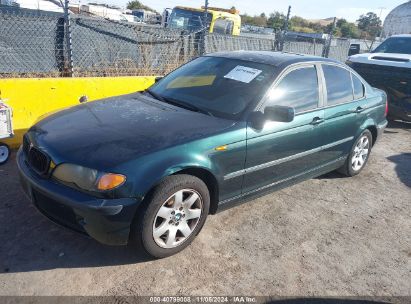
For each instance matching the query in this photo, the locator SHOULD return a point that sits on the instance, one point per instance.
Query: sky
(309, 9)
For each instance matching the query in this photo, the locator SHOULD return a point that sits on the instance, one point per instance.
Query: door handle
(359, 110)
(316, 121)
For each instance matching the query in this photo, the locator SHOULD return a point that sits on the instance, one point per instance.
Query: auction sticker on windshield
(243, 74)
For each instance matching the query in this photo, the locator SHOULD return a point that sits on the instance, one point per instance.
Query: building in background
(398, 20)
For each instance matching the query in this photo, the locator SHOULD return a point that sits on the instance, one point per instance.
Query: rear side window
(298, 89)
(359, 91)
(339, 85)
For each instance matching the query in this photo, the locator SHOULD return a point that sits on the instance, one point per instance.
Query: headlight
(88, 179)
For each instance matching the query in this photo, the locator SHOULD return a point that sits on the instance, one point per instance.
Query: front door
(280, 151)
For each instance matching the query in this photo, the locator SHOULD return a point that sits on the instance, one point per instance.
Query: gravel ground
(329, 236)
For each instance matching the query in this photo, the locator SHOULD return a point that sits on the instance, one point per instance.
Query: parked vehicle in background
(218, 20)
(165, 16)
(388, 68)
(146, 16)
(40, 5)
(219, 130)
(107, 12)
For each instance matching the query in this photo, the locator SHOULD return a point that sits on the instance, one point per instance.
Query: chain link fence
(35, 44)
(31, 42)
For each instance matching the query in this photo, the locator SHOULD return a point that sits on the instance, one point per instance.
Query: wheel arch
(374, 133)
(371, 126)
(204, 174)
(209, 179)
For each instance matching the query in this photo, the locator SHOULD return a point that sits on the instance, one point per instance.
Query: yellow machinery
(219, 20)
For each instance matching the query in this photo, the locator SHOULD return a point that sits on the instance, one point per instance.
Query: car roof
(278, 59)
(401, 36)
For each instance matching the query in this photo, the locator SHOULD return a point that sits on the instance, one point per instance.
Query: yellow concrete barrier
(32, 98)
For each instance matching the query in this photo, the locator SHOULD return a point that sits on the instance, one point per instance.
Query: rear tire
(359, 155)
(172, 216)
(4, 153)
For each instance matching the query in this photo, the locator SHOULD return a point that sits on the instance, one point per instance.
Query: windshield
(219, 86)
(191, 21)
(395, 45)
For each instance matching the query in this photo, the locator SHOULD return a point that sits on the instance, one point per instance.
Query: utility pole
(67, 28)
(327, 47)
(287, 20)
(204, 30)
(382, 26)
(285, 29)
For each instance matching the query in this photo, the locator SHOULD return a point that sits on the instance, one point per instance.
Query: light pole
(204, 30)
(382, 25)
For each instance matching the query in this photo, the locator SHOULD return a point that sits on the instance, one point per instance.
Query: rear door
(342, 111)
(280, 151)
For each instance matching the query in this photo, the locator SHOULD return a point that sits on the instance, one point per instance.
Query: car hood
(106, 133)
(386, 59)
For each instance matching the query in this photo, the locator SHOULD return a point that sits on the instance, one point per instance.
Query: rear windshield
(395, 45)
(224, 87)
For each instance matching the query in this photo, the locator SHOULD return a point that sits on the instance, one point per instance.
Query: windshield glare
(395, 45)
(187, 20)
(223, 87)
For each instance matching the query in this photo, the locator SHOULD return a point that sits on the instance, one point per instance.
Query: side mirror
(157, 79)
(279, 113)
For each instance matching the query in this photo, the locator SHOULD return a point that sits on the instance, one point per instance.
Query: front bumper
(106, 220)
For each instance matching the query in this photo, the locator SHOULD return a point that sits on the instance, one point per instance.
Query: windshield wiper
(155, 95)
(186, 106)
(178, 103)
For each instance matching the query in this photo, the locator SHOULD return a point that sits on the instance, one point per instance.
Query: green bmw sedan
(149, 167)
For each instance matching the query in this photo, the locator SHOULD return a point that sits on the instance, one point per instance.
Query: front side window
(339, 85)
(188, 20)
(359, 90)
(222, 86)
(298, 89)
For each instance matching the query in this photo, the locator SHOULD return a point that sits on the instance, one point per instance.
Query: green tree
(135, 4)
(349, 30)
(276, 21)
(260, 20)
(298, 22)
(370, 25)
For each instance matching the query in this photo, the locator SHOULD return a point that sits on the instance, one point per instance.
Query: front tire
(172, 216)
(359, 155)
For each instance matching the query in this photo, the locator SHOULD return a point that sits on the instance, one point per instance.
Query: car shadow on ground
(402, 167)
(332, 175)
(396, 124)
(30, 242)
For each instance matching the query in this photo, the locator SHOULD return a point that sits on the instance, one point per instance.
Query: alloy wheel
(177, 218)
(360, 153)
